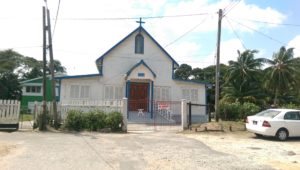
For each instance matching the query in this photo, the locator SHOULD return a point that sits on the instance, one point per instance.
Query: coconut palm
(246, 67)
(282, 72)
(242, 78)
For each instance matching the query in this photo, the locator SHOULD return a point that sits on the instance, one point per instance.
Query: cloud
(78, 43)
(295, 43)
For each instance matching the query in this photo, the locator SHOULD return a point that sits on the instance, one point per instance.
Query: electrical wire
(261, 33)
(56, 19)
(134, 18)
(266, 22)
(226, 12)
(37, 46)
(190, 30)
(229, 5)
(236, 33)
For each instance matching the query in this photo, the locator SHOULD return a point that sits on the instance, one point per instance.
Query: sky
(186, 29)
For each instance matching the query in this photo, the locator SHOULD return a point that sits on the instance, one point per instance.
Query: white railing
(9, 111)
(85, 106)
(80, 105)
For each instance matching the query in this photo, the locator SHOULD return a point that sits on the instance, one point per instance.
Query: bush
(229, 111)
(290, 106)
(249, 109)
(236, 110)
(95, 120)
(114, 121)
(75, 120)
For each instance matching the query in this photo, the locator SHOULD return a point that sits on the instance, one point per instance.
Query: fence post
(190, 115)
(183, 114)
(124, 114)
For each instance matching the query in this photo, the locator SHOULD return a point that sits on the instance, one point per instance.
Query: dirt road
(279, 155)
(153, 150)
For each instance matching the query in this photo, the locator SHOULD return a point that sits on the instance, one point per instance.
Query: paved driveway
(152, 150)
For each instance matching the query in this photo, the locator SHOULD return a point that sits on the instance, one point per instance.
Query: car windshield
(268, 113)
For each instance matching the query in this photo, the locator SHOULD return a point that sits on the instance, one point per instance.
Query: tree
(9, 86)
(183, 72)
(282, 73)
(9, 61)
(35, 68)
(242, 78)
(208, 74)
(197, 74)
(58, 68)
(15, 67)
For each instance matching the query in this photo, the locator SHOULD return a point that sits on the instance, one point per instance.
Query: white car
(281, 123)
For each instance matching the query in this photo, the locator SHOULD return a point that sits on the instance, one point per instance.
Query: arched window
(139, 44)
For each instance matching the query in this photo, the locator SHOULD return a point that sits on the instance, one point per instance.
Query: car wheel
(282, 134)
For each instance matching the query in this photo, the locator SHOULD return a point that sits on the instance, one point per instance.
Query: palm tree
(242, 78)
(282, 73)
(246, 68)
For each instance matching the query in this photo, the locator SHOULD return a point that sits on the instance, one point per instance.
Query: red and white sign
(163, 106)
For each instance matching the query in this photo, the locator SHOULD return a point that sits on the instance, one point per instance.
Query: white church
(139, 69)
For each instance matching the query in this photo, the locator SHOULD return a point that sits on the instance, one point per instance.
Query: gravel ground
(279, 155)
(152, 150)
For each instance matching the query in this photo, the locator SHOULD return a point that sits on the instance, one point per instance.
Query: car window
(268, 113)
(292, 116)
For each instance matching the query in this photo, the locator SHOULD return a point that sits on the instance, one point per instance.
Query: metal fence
(197, 113)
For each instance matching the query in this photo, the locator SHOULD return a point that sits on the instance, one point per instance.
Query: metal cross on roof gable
(140, 22)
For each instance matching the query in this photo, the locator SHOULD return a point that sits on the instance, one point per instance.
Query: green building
(32, 91)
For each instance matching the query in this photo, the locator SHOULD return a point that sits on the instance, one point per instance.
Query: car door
(292, 122)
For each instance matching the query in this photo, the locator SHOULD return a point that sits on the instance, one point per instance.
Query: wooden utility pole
(53, 81)
(42, 119)
(217, 85)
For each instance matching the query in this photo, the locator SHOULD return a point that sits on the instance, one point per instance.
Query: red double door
(138, 96)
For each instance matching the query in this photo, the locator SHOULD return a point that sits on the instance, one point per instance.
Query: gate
(197, 113)
(161, 115)
(9, 114)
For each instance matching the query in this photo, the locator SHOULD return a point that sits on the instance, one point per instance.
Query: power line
(272, 23)
(135, 18)
(236, 33)
(56, 18)
(263, 34)
(192, 29)
(226, 12)
(229, 5)
(22, 47)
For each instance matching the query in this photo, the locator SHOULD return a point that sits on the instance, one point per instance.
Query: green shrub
(75, 120)
(95, 120)
(249, 109)
(230, 111)
(236, 110)
(114, 121)
(290, 106)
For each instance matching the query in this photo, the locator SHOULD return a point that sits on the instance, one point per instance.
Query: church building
(139, 69)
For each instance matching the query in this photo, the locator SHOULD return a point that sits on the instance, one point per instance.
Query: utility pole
(217, 85)
(53, 82)
(42, 119)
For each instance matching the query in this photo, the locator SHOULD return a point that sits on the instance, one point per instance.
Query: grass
(26, 117)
